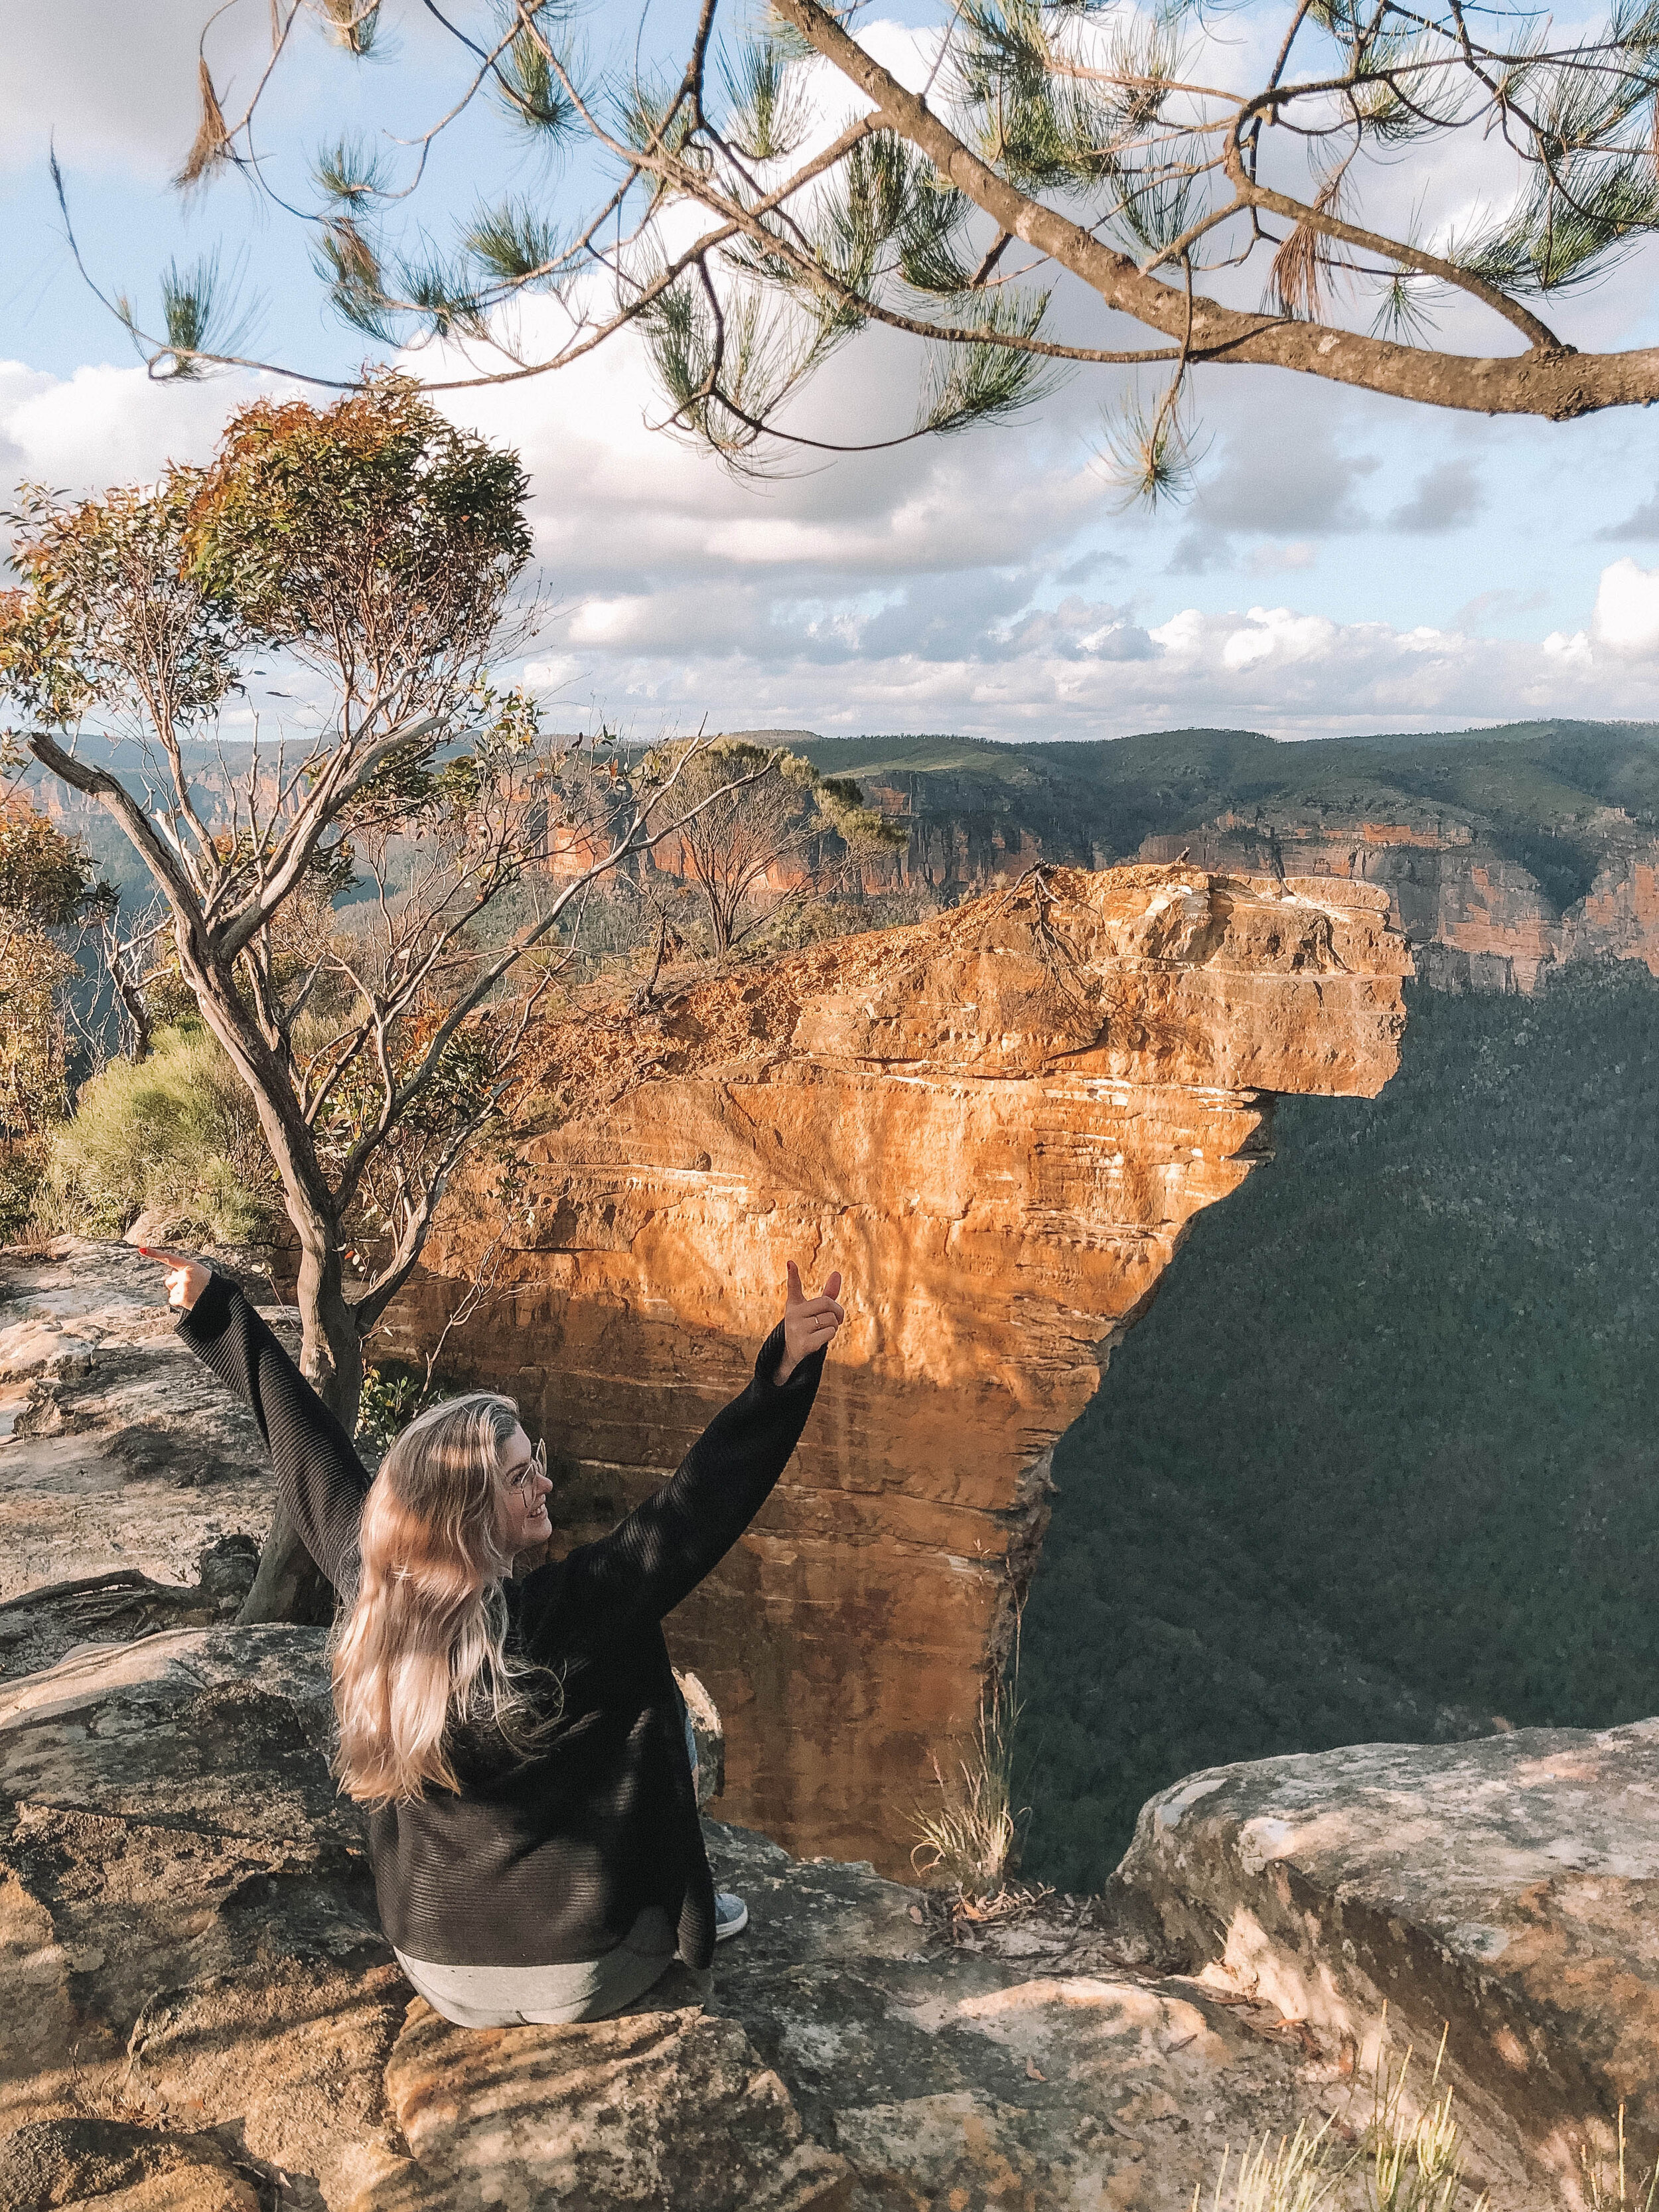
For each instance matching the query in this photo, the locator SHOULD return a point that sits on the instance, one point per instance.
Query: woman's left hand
(186, 1279)
(809, 1324)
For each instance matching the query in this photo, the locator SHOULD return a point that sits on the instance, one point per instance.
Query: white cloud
(104, 426)
(114, 84)
(1272, 559)
(1082, 670)
(1446, 497)
(918, 590)
(1570, 652)
(617, 500)
(1627, 617)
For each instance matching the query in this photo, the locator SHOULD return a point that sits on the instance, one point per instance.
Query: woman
(520, 1745)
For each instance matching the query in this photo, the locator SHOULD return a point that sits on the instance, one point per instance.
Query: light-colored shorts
(588, 1989)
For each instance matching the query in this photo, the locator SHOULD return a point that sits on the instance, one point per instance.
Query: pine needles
(211, 143)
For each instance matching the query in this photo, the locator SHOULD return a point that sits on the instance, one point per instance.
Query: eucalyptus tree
(366, 910)
(49, 891)
(759, 850)
(1399, 195)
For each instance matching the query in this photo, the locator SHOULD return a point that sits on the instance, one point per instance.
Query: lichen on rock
(1503, 1886)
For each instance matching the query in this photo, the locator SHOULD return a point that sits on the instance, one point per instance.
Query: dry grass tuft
(1410, 2158)
(1614, 2192)
(970, 1843)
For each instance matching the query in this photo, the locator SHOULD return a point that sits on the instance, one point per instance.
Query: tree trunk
(720, 918)
(289, 1587)
(331, 1351)
(132, 1005)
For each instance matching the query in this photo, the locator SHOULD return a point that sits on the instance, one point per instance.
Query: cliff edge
(998, 1124)
(202, 2016)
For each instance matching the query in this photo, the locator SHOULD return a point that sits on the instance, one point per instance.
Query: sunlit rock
(998, 1125)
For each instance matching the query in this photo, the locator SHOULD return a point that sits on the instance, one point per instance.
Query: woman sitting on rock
(521, 1746)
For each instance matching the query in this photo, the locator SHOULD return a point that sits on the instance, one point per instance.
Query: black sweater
(549, 1859)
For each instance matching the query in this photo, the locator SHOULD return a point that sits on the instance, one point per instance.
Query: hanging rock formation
(1477, 918)
(998, 1125)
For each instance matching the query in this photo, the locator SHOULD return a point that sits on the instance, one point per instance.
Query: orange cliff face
(998, 1125)
(1476, 916)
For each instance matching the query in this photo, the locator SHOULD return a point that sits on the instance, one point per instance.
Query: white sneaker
(731, 1915)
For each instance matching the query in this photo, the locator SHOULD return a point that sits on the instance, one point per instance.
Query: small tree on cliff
(373, 547)
(759, 849)
(1316, 196)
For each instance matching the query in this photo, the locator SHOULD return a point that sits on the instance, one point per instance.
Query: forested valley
(1383, 1462)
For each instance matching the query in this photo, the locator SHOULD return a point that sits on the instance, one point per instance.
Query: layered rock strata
(997, 1126)
(1477, 919)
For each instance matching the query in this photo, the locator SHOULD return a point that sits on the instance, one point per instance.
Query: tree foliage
(1321, 195)
(374, 541)
(174, 1136)
(48, 889)
(366, 911)
(757, 851)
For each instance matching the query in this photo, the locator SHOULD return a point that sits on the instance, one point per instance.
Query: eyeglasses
(534, 1466)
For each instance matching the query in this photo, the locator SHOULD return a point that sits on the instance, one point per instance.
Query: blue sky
(1346, 562)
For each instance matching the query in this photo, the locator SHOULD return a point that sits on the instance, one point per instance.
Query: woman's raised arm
(322, 1481)
(665, 1546)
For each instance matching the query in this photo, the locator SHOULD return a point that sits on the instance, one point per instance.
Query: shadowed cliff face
(998, 1125)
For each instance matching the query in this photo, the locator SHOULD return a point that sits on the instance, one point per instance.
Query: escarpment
(1508, 854)
(1477, 917)
(997, 1126)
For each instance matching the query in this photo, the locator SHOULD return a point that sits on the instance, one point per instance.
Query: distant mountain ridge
(1506, 853)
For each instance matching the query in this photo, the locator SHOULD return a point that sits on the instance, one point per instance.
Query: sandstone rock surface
(119, 1451)
(203, 2017)
(1477, 918)
(1505, 1887)
(998, 1125)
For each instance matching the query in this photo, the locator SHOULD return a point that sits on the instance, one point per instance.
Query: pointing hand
(809, 1323)
(186, 1279)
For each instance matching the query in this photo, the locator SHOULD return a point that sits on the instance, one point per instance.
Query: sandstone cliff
(998, 1125)
(1476, 917)
(1506, 854)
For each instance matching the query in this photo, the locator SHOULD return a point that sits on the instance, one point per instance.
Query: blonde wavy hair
(422, 1644)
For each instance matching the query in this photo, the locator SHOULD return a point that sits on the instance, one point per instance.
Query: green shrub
(20, 1168)
(393, 1393)
(177, 1137)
